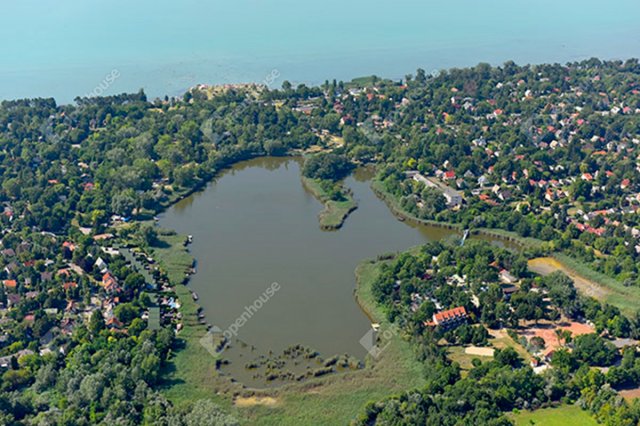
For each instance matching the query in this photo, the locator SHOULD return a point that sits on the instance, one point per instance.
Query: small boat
(194, 295)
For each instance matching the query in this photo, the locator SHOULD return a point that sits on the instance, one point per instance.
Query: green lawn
(566, 415)
(335, 212)
(625, 298)
(458, 354)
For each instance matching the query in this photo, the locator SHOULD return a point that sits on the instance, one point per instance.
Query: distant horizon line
(241, 84)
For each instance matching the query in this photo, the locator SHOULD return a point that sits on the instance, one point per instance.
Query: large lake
(66, 48)
(257, 225)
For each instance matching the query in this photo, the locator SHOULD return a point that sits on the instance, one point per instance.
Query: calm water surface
(65, 48)
(257, 225)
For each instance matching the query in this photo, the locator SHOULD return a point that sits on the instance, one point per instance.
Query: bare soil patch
(255, 400)
(548, 265)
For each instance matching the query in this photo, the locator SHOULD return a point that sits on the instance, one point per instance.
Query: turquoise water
(67, 48)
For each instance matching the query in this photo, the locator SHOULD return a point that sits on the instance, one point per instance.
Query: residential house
(101, 265)
(451, 318)
(453, 197)
(10, 284)
(507, 278)
(109, 283)
(508, 291)
(13, 299)
(11, 268)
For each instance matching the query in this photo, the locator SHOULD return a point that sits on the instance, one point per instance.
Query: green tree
(125, 312)
(96, 322)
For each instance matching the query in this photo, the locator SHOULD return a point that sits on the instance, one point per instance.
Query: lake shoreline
(403, 215)
(185, 379)
(192, 370)
(182, 287)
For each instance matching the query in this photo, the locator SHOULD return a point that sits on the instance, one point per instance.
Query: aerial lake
(257, 225)
(68, 48)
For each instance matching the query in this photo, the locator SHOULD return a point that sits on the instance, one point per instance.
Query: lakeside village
(542, 339)
(528, 183)
(52, 286)
(494, 308)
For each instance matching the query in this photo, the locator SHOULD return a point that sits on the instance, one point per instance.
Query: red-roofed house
(451, 318)
(69, 285)
(109, 283)
(596, 231)
(114, 323)
(10, 283)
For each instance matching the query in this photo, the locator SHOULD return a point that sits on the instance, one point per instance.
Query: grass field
(499, 340)
(335, 212)
(191, 374)
(590, 282)
(625, 298)
(566, 415)
(457, 354)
